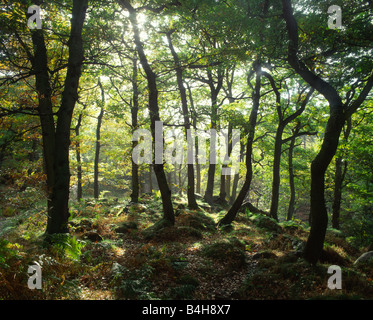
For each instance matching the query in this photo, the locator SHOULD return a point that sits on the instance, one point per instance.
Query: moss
(171, 233)
(125, 227)
(264, 222)
(231, 251)
(198, 220)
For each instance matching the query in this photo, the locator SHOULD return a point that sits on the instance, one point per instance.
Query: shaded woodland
(262, 216)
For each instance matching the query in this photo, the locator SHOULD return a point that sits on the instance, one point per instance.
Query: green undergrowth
(119, 250)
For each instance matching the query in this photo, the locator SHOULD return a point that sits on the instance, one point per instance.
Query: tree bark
(231, 214)
(337, 196)
(45, 109)
(237, 176)
(282, 123)
(168, 211)
(194, 124)
(96, 188)
(290, 213)
(225, 179)
(340, 171)
(338, 114)
(59, 213)
(214, 91)
(276, 172)
(79, 194)
(134, 113)
(192, 203)
(150, 179)
(319, 216)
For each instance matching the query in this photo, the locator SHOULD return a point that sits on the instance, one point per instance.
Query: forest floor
(114, 252)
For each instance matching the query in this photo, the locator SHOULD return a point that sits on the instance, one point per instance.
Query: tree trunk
(194, 123)
(338, 114)
(319, 215)
(319, 165)
(56, 140)
(340, 171)
(45, 109)
(192, 203)
(79, 193)
(150, 179)
(96, 189)
(198, 170)
(168, 211)
(290, 213)
(276, 172)
(337, 197)
(225, 179)
(134, 113)
(237, 176)
(282, 123)
(214, 91)
(231, 214)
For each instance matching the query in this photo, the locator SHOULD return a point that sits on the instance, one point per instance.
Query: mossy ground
(131, 259)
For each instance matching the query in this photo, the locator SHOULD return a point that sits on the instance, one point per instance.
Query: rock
(298, 245)
(198, 196)
(139, 207)
(93, 236)
(364, 258)
(116, 269)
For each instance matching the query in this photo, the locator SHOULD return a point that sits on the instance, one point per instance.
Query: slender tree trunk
(282, 123)
(340, 171)
(237, 176)
(290, 213)
(231, 214)
(198, 168)
(192, 203)
(96, 188)
(181, 183)
(276, 172)
(209, 193)
(337, 197)
(150, 179)
(194, 124)
(134, 113)
(230, 147)
(141, 181)
(319, 221)
(168, 211)
(79, 194)
(338, 114)
(214, 91)
(224, 179)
